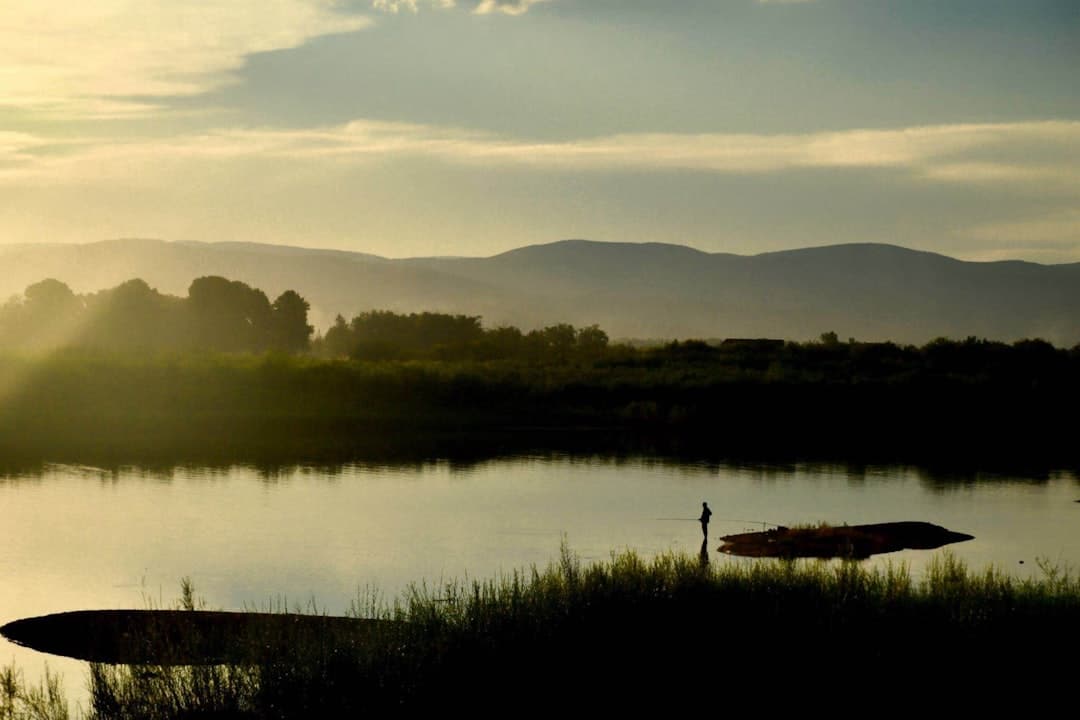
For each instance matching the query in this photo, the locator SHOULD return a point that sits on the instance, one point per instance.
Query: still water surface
(80, 538)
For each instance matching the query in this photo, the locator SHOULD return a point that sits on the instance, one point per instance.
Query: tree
(501, 343)
(592, 341)
(385, 335)
(229, 316)
(554, 342)
(50, 294)
(132, 316)
(339, 340)
(291, 331)
(48, 316)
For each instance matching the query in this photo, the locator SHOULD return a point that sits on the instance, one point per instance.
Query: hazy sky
(469, 127)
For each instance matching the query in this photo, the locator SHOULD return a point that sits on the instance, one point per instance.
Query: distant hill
(651, 290)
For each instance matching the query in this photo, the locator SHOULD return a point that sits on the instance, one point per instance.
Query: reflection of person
(706, 513)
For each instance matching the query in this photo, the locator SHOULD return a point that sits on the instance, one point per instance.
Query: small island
(188, 636)
(842, 541)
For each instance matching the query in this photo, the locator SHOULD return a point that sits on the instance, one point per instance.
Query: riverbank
(675, 633)
(124, 409)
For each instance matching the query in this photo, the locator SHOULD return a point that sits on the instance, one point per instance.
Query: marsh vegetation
(828, 399)
(631, 634)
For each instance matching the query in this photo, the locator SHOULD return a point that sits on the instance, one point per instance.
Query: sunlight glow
(106, 58)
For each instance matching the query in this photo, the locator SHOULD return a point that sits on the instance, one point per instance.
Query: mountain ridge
(870, 291)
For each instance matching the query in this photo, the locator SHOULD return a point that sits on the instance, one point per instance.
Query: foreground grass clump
(20, 700)
(670, 634)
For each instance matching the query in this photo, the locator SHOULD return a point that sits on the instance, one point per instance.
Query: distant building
(753, 343)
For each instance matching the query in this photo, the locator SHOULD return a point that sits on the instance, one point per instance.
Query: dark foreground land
(672, 635)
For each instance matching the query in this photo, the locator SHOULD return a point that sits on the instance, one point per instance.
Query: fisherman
(706, 513)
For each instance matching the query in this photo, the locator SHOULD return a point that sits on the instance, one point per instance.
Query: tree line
(251, 375)
(385, 335)
(969, 361)
(221, 315)
(217, 315)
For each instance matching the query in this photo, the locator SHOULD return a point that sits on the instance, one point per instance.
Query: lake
(75, 537)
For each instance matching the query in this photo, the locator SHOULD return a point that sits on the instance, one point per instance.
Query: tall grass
(632, 635)
(629, 634)
(21, 700)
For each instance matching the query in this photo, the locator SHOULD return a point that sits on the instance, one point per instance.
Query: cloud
(92, 59)
(1033, 156)
(396, 6)
(20, 151)
(481, 7)
(507, 7)
(1063, 175)
(14, 144)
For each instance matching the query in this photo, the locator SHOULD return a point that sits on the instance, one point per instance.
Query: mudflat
(841, 541)
(186, 637)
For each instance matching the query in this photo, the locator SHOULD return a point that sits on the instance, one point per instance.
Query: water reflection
(329, 455)
(934, 479)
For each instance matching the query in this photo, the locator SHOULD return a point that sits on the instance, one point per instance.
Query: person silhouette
(706, 513)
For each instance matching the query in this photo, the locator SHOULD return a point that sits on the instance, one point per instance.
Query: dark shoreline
(217, 442)
(269, 409)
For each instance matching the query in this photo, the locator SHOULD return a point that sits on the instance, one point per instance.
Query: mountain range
(648, 290)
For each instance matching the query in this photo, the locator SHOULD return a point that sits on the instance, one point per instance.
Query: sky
(471, 127)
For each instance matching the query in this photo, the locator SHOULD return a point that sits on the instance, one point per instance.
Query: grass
(20, 700)
(128, 408)
(630, 634)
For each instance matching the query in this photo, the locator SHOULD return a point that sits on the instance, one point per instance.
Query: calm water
(78, 537)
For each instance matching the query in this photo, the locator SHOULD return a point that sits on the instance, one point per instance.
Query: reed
(630, 634)
(22, 700)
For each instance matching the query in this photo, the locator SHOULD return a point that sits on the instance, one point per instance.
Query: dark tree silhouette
(291, 332)
(501, 342)
(218, 314)
(48, 315)
(132, 316)
(229, 315)
(554, 342)
(592, 341)
(385, 335)
(50, 294)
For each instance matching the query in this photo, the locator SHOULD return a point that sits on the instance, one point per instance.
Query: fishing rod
(763, 523)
